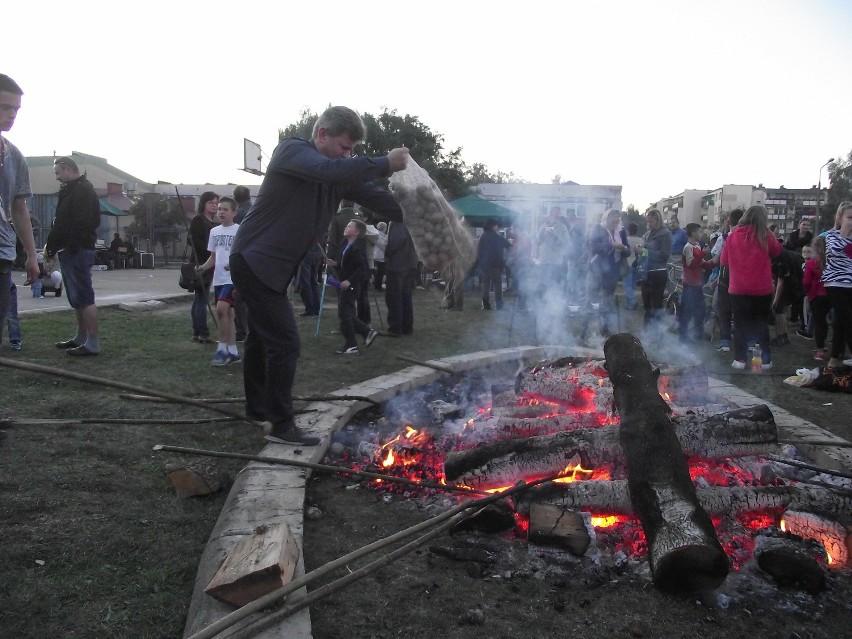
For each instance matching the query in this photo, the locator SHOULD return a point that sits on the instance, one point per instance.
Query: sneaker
(724, 348)
(804, 334)
(739, 365)
(15, 346)
(195, 338)
(371, 336)
(234, 358)
(70, 343)
(222, 358)
(292, 435)
(820, 355)
(847, 362)
(352, 350)
(766, 367)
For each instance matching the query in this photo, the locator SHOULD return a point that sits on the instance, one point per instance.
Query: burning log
(614, 497)
(789, 562)
(835, 537)
(736, 433)
(683, 550)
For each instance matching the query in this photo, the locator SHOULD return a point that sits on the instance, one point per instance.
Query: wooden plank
(558, 527)
(260, 563)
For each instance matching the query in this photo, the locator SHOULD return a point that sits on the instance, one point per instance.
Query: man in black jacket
(491, 260)
(73, 236)
(401, 271)
(304, 182)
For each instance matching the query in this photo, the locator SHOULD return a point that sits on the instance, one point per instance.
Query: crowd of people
(319, 219)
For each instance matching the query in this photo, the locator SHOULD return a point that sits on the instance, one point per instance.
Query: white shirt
(221, 239)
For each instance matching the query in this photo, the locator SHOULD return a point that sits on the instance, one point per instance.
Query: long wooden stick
(436, 367)
(817, 442)
(100, 381)
(239, 400)
(320, 467)
(14, 421)
(253, 628)
(277, 595)
(819, 469)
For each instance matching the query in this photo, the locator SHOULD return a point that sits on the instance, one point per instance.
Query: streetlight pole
(819, 196)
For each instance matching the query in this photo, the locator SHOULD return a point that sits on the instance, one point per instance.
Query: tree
(389, 130)
(840, 178)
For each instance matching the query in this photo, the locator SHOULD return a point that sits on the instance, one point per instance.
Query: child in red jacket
(692, 305)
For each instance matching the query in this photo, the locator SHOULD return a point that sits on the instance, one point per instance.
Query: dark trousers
(692, 309)
(379, 276)
(309, 289)
(751, 313)
(725, 314)
(399, 302)
(820, 307)
(653, 294)
(492, 278)
(240, 316)
(363, 302)
(841, 326)
(347, 311)
(271, 350)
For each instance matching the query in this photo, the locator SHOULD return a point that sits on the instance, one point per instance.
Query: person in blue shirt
(679, 236)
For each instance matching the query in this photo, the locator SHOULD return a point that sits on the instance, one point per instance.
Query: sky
(657, 97)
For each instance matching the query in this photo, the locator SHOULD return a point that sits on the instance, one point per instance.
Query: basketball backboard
(251, 157)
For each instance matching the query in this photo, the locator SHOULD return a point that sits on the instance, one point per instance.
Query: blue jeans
(198, 313)
(77, 277)
(692, 308)
(12, 321)
(271, 349)
(629, 287)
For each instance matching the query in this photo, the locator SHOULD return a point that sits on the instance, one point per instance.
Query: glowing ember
(567, 478)
(605, 521)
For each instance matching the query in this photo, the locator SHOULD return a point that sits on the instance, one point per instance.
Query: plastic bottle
(756, 359)
(36, 286)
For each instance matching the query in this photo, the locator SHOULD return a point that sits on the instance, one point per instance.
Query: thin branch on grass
(319, 467)
(100, 381)
(237, 400)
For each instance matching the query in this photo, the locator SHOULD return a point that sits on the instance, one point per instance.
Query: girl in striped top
(837, 278)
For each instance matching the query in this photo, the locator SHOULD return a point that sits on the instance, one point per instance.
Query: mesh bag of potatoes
(443, 242)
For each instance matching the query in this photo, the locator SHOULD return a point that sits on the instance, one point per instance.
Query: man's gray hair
(340, 120)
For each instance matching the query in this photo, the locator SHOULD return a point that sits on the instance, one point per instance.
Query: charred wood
(683, 550)
(733, 434)
(790, 562)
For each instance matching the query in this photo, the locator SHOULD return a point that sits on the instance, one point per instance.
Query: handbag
(188, 277)
(640, 267)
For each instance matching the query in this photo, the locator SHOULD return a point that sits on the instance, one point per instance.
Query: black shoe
(293, 436)
(803, 333)
(67, 344)
(306, 314)
(81, 351)
(371, 336)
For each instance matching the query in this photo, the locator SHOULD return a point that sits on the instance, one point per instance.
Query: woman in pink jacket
(747, 253)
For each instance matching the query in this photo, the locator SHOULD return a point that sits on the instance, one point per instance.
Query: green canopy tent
(108, 208)
(477, 210)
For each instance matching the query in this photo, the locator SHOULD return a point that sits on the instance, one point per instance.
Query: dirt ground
(485, 585)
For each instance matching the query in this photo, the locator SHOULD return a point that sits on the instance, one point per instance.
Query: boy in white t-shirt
(219, 245)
